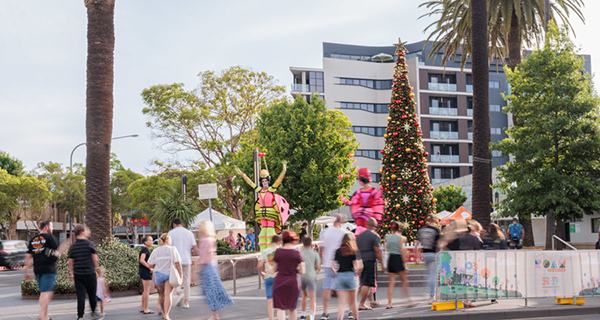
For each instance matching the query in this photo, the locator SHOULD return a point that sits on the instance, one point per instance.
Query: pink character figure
(365, 203)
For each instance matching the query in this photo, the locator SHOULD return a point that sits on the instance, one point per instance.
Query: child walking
(102, 289)
(312, 264)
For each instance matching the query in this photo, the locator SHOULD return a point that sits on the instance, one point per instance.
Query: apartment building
(357, 80)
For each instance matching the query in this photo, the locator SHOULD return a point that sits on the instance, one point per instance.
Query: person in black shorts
(83, 262)
(368, 244)
(146, 274)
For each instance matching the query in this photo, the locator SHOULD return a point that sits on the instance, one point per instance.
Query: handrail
(561, 240)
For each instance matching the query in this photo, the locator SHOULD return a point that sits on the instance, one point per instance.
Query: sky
(43, 59)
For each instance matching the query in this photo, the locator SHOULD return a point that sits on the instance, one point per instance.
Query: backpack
(515, 232)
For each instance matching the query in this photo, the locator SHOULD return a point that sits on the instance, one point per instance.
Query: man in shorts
(368, 244)
(185, 242)
(42, 254)
(266, 269)
(331, 239)
(515, 233)
(312, 264)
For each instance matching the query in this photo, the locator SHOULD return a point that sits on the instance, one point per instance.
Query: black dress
(144, 272)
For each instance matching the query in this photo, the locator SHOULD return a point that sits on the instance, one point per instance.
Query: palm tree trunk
(482, 163)
(550, 229)
(99, 115)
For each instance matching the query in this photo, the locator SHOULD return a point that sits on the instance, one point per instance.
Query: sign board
(207, 191)
(506, 274)
(140, 222)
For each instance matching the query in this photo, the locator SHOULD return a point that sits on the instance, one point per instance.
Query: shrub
(121, 263)
(223, 247)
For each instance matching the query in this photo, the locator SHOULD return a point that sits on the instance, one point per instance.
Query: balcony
(298, 87)
(469, 135)
(469, 112)
(436, 181)
(445, 159)
(442, 86)
(469, 88)
(444, 111)
(443, 134)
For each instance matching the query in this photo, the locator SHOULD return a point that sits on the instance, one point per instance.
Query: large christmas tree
(404, 179)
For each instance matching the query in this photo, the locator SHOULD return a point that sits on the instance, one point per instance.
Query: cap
(372, 222)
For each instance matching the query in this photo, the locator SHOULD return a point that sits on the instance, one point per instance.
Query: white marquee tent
(222, 223)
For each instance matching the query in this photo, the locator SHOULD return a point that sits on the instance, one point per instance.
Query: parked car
(12, 253)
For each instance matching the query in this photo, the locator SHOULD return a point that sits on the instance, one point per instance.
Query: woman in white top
(161, 260)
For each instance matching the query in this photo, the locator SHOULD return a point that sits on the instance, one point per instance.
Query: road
(10, 279)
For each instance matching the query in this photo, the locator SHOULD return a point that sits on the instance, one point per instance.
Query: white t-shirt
(332, 240)
(161, 258)
(183, 239)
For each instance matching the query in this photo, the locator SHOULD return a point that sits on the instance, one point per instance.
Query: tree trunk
(482, 163)
(550, 229)
(528, 240)
(99, 115)
(514, 51)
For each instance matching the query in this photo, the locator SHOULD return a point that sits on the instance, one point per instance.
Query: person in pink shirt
(230, 239)
(210, 281)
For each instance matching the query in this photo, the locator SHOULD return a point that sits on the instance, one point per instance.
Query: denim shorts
(346, 281)
(46, 281)
(269, 287)
(329, 280)
(160, 278)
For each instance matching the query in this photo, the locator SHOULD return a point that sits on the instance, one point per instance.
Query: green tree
(316, 143)
(21, 198)
(99, 114)
(211, 120)
(120, 179)
(404, 182)
(449, 198)
(67, 188)
(172, 205)
(11, 165)
(556, 170)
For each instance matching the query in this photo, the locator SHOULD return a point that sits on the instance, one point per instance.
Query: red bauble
(416, 124)
(404, 116)
(382, 151)
(395, 134)
(419, 191)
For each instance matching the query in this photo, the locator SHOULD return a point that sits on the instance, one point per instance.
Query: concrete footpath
(250, 303)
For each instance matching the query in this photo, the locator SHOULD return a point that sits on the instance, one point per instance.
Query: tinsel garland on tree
(404, 182)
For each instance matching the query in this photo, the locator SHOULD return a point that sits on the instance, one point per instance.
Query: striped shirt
(81, 253)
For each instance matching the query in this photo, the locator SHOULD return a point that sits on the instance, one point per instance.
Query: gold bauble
(381, 170)
(389, 118)
(407, 150)
(394, 177)
(397, 206)
(434, 200)
(414, 184)
(412, 95)
(385, 136)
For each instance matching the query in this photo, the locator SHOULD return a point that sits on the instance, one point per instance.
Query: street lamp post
(71, 170)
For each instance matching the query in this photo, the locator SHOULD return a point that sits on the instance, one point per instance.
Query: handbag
(174, 276)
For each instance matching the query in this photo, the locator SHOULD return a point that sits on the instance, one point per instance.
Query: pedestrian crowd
(241, 242)
(349, 265)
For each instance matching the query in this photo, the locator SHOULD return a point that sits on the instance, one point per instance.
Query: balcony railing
(469, 112)
(469, 88)
(441, 158)
(443, 135)
(444, 111)
(469, 135)
(442, 86)
(436, 181)
(298, 87)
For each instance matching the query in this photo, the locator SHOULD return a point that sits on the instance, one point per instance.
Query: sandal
(411, 304)
(365, 308)
(148, 312)
(389, 307)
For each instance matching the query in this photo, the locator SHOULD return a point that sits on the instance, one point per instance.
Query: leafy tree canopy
(316, 143)
(557, 148)
(12, 165)
(449, 198)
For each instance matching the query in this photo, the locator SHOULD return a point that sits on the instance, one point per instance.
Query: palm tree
(99, 114)
(482, 160)
(511, 24)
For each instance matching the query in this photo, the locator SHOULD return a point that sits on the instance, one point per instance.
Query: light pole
(71, 170)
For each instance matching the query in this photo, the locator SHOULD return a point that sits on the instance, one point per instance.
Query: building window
(442, 78)
(315, 81)
(373, 131)
(373, 84)
(444, 149)
(444, 126)
(376, 177)
(494, 85)
(595, 225)
(349, 57)
(469, 79)
(496, 153)
(495, 108)
(371, 154)
(446, 173)
(495, 131)
(371, 107)
(442, 102)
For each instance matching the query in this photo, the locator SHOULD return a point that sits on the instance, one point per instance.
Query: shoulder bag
(174, 276)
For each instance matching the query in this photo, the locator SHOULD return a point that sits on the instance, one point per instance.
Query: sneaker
(350, 315)
(97, 316)
(430, 299)
(325, 316)
(186, 305)
(179, 300)
(302, 317)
